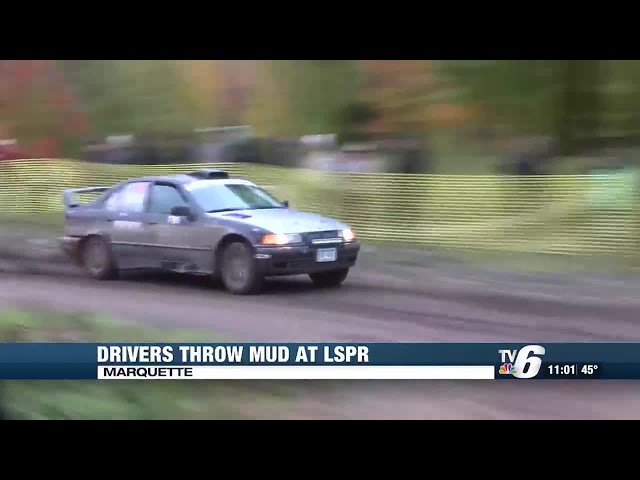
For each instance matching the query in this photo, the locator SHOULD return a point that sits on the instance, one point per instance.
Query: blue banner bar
(508, 360)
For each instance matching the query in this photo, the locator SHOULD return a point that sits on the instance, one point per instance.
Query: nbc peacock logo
(506, 369)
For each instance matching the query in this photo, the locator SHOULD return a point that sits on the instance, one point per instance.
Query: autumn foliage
(38, 106)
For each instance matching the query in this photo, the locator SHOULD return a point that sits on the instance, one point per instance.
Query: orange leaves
(399, 90)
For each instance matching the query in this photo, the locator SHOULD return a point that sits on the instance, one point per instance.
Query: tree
(353, 120)
(202, 86)
(238, 81)
(37, 103)
(136, 96)
(310, 93)
(561, 98)
(269, 105)
(400, 93)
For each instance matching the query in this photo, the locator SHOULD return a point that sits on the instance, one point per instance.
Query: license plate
(326, 255)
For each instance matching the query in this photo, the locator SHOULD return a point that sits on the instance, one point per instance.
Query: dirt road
(421, 305)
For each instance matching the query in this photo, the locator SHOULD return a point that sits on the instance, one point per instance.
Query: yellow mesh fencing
(564, 214)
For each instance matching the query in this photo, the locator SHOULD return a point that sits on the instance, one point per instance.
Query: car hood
(281, 220)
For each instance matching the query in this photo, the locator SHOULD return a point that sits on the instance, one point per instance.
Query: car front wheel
(329, 279)
(238, 270)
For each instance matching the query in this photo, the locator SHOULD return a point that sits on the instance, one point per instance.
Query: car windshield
(221, 197)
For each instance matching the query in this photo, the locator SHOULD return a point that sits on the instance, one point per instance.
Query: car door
(180, 243)
(124, 211)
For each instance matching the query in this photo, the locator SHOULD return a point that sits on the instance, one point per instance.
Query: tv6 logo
(525, 362)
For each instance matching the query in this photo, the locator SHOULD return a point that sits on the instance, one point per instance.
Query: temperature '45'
(523, 363)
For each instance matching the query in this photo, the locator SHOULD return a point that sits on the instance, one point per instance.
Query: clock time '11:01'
(559, 369)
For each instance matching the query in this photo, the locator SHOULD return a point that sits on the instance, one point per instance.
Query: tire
(97, 259)
(333, 278)
(238, 272)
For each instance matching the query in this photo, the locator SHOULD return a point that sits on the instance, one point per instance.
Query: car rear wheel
(329, 279)
(98, 260)
(239, 272)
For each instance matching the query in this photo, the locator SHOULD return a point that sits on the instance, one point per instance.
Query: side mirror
(181, 211)
(286, 203)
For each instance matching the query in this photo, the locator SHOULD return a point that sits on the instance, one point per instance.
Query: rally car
(204, 222)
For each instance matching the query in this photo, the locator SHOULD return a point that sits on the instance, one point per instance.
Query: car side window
(164, 198)
(111, 203)
(129, 198)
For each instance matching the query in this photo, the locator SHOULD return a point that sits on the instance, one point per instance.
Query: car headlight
(281, 239)
(348, 235)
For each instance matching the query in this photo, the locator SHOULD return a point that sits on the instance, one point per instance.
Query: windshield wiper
(224, 210)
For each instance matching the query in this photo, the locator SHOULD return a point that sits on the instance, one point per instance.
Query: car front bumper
(295, 260)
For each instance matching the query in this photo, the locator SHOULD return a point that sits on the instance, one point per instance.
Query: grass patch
(126, 400)
(546, 263)
(522, 262)
(46, 224)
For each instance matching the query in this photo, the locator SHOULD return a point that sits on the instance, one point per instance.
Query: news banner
(319, 361)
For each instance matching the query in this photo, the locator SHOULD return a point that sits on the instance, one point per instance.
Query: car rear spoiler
(70, 193)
